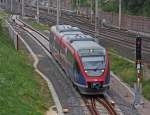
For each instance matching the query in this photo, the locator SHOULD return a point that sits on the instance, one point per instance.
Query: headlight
(95, 86)
(86, 71)
(102, 70)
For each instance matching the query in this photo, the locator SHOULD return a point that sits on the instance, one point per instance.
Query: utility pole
(91, 11)
(51, 3)
(22, 8)
(58, 11)
(18, 6)
(48, 6)
(120, 8)
(37, 11)
(77, 6)
(6, 3)
(11, 5)
(0, 3)
(65, 4)
(96, 17)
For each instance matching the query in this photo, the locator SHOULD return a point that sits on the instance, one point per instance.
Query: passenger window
(57, 46)
(51, 38)
(70, 57)
(66, 51)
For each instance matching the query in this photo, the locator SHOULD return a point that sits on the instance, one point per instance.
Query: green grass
(146, 89)
(39, 26)
(126, 71)
(123, 69)
(111, 6)
(22, 91)
(3, 15)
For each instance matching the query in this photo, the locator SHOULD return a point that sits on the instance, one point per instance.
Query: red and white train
(82, 58)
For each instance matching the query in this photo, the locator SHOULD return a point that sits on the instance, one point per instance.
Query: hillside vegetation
(22, 91)
(131, 7)
(126, 71)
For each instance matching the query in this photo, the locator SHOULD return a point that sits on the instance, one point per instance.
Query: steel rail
(116, 39)
(89, 105)
(84, 19)
(94, 106)
(107, 105)
(25, 25)
(119, 40)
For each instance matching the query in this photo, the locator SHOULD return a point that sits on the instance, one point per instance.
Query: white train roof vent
(81, 38)
(66, 28)
(77, 37)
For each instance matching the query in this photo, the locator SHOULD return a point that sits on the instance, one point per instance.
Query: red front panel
(92, 78)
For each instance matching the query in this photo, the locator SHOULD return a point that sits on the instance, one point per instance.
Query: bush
(146, 11)
(0, 24)
(131, 7)
(22, 91)
(146, 89)
(111, 6)
(127, 73)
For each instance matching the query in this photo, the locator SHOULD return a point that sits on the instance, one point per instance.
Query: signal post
(138, 86)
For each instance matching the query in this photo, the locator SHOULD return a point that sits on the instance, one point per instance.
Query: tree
(146, 7)
(110, 6)
(0, 25)
(135, 6)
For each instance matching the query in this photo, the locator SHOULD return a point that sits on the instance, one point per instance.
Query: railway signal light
(138, 56)
(137, 97)
(138, 48)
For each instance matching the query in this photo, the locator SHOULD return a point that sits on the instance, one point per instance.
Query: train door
(78, 77)
(70, 61)
(63, 56)
(76, 71)
(57, 48)
(51, 42)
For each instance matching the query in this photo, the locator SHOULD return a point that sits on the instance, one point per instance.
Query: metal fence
(134, 23)
(13, 34)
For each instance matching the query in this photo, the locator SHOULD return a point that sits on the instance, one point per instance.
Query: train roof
(86, 48)
(83, 44)
(77, 37)
(64, 28)
(71, 34)
(86, 45)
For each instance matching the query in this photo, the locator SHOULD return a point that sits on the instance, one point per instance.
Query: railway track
(96, 105)
(130, 43)
(123, 38)
(85, 19)
(99, 105)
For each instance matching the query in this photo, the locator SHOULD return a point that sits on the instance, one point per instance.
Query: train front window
(94, 66)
